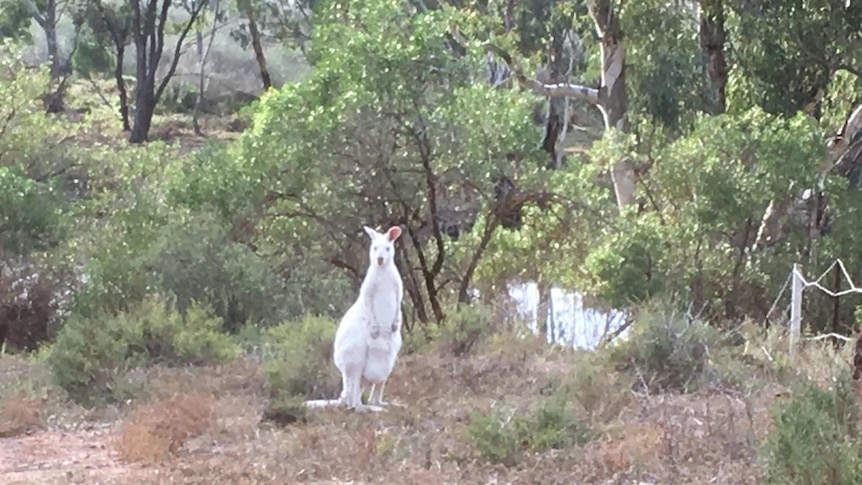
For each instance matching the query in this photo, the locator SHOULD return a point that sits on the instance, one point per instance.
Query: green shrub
(194, 257)
(197, 260)
(666, 351)
(93, 355)
(815, 439)
(297, 358)
(503, 435)
(464, 330)
(284, 409)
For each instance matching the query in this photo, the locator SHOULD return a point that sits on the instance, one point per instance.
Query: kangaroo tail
(322, 403)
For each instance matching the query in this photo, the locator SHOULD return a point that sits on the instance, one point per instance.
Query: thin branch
(176, 58)
(34, 12)
(560, 90)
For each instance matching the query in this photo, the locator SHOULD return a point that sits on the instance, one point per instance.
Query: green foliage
(297, 358)
(782, 66)
(464, 330)
(624, 265)
(196, 260)
(31, 192)
(30, 213)
(15, 19)
(666, 351)
(361, 140)
(93, 355)
(704, 220)
(664, 66)
(815, 438)
(503, 436)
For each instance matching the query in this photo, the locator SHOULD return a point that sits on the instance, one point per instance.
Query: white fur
(368, 338)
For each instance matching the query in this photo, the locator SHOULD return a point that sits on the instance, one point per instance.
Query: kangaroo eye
(375, 248)
(387, 249)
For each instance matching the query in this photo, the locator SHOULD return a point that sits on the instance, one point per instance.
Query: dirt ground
(55, 457)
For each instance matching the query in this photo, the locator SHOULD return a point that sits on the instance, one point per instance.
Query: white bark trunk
(610, 98)
(778, 212)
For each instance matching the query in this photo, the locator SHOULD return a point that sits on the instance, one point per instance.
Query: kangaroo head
(382, 250)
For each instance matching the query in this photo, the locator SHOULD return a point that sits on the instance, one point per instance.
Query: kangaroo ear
(393, 232)
(371, 232)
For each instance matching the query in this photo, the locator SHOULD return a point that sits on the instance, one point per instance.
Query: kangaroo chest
(384, 300)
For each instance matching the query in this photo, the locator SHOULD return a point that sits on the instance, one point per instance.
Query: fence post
(795, 308)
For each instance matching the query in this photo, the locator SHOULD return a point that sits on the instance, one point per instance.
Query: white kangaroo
(368, 338)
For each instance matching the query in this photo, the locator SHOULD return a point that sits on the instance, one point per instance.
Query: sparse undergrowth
(511, 408)
(816, 439)
(504, 434)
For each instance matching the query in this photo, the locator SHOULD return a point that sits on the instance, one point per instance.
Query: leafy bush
(815, 438)
(464, 329)
(667, 351)
(502, 436)
(93, 355)
(297, 358)
(196, 260)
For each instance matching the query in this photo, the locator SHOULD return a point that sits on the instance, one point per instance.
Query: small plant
(816, 436)
(464, 329)
(284, 409)
(502, 436)
(93, 355)
(297, 358)
(667, 351)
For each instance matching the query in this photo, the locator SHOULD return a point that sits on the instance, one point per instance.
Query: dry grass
(157, 430)
(203, 425)
(20, 414)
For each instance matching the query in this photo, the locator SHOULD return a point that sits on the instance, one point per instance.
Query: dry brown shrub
(640, 446)
(20, 415)
(159, 429)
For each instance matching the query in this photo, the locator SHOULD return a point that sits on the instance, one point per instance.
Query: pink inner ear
(394, 232)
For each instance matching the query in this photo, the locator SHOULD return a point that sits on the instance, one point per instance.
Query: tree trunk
(203, 55)
(542, 309)
(121, 87)
(712, 38)
(556, 126)
(258, 48)
(149, 35)
(610, 98)
(144, 110)
(119, 35)
(612, 95)
(50, 28)
(778, 212)
(47, 20)
(552, 320)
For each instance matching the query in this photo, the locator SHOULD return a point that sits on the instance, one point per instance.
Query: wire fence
(798, 283)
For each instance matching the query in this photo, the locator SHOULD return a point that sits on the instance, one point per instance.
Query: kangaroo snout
(379, 261)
